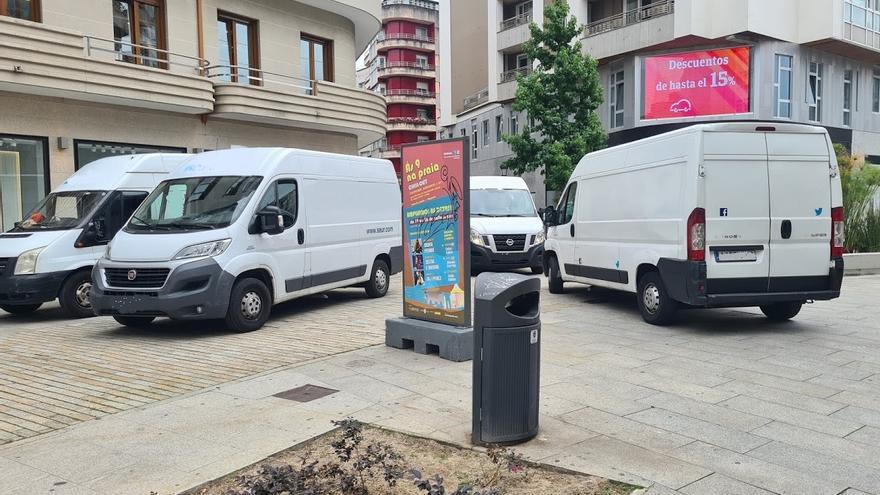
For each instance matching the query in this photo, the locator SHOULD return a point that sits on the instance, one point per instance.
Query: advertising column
(436, 217)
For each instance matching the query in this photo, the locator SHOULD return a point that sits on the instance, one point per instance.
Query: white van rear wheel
(782, 311)
(656, 306)
(250, 304)
(380, 279)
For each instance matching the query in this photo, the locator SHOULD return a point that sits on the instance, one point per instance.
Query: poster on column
(692, 84)
(436, 227)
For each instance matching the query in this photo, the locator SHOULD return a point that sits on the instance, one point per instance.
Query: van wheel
(554, 276)
(537, 270)
(249, 305)
(654, 302)
(74, 295)
(781, 311)
(20, 309)
(380, 279)
(134, 321)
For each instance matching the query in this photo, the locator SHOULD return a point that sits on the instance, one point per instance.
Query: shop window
(24, 176)
(86, 152)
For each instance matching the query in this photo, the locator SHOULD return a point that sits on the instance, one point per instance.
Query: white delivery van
(506, 231)
(232, 232)
(715, 215)
(51, 252)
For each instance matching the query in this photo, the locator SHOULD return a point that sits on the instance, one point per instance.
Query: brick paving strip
(56, 373)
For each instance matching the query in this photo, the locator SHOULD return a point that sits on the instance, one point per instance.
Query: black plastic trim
(396, 255)
(597, 273)
(301, 283)
(483, 258)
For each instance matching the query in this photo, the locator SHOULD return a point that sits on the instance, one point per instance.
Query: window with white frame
(847, 97)
(380, 61)
(514, 124)
(474, 137)
(382, 88)
(782, 86)
(422, 61)
(875, 107)
(422, 88)
(499, 128)
(616, 102)
(421, 33)
(814, 91)
(861, 20)
(485, 125)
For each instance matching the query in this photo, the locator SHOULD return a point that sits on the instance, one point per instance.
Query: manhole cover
(359, 363)
(306, 393)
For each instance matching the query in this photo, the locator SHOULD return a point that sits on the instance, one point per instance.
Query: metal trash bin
(507, 353)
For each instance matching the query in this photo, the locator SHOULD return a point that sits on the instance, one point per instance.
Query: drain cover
(306, 393)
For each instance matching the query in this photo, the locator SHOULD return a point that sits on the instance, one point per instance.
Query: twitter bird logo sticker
(818, 212)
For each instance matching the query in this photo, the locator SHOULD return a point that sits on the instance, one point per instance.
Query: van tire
(656, 306)
(782, 311)
(134, 321)
(74, 295)
(380, 279)
(537, 270)
(250, 304)
(20, 309)
(554, 276)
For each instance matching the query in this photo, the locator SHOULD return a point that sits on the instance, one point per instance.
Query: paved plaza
(721, 403)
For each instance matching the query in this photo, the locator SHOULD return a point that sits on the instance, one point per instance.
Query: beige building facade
(92, 78)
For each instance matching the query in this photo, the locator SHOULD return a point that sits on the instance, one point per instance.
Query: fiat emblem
(132, 274)
(509, 242)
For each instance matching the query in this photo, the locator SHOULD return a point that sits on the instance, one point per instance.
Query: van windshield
(502, 203)
(195, 203)
(61, 211)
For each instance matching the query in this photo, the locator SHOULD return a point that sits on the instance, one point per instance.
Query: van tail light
(837, 232)
(696, 235)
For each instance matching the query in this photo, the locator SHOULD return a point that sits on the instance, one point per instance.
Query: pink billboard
(711, 82)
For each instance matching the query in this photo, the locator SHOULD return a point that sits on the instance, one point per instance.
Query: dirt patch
(456, 465)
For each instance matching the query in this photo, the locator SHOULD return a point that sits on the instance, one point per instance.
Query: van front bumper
(198, 290)
(686, 282)
(483, 258)
(38, 288)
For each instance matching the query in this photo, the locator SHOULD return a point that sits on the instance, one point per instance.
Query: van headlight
(477, 238)
(27, 262)
(203, 250)
(540, 237)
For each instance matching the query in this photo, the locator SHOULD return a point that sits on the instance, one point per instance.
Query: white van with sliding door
(50, 254)
(714, 215)
(233, 232)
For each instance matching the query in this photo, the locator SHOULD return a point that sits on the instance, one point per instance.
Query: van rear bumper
(198, 285)
(686, 282)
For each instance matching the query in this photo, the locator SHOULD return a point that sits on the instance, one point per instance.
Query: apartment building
(401, 65)
(667, 64)
(80, 80)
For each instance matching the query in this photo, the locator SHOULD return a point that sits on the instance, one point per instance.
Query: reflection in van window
(502, 203)
(282, 194)
(195, 203)
(61, 211)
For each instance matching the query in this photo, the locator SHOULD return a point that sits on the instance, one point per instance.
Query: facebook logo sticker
(723, 212)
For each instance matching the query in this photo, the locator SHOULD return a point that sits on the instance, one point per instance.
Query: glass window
(782, 86)
(875, 107)
(28, 10)
(316, 58)
(617, 101)
(282, 195)
(814, 91)
(61, 211)
(139, 31)
(847, 97)
(499, 128)
(422, 61)
(474, 136)
(485, 125)
(237, 45)
(24, 177)
(502, 203)
(194, 203)
(514, 124)
(566, 205)
(86, 152)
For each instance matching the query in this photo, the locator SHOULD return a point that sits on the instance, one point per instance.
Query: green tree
(561, 97)
(860, 183)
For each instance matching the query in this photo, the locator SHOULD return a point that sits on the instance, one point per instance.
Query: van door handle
(571, 229)
(786, 229)
(301, 236)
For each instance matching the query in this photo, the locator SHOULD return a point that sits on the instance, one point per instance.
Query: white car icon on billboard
(681, 106)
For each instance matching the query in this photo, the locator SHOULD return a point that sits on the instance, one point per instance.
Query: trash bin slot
(524, 305)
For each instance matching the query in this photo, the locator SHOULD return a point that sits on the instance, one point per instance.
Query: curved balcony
(277, 99)
(410, 96)
(364, 15)
(411, 10)
(413, 124)
(405, 40)
(406, 69)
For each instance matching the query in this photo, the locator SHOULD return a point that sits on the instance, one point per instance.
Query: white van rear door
(800, 206)
(737, 203)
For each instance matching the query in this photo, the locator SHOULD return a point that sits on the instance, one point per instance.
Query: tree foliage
(860, 183)
(561, 97)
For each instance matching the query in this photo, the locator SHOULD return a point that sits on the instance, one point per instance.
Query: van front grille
(136, 278)
(510, 242)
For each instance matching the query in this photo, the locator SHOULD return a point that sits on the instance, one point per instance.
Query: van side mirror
(90, 236)
(549, 215)
(270, 220)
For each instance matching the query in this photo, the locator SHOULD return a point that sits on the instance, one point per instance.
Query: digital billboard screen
(692, 84)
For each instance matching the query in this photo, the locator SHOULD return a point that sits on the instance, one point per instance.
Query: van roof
(269, 162)
(113, 172)
(498, 182)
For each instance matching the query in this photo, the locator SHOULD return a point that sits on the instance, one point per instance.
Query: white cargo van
(233, 232)
(51, 252)
(715, 215)
(506, 231)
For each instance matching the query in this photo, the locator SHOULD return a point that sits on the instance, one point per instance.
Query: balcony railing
(511, 75)
(424, 4)
(411, 120)
(405, 36)
(410, 92)
(656, 9)
(256, 77)
(515, 21)
(476, 99)
(144, 55)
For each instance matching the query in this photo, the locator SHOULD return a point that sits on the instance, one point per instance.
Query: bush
(860, 184)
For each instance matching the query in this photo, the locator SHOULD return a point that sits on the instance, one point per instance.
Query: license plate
(734, 256)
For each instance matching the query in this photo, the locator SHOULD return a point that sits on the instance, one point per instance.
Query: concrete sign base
(452, 343)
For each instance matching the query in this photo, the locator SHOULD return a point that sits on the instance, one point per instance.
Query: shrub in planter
(860, 183)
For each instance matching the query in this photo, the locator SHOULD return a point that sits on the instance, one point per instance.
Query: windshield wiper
(189, 226)
(483, 215)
